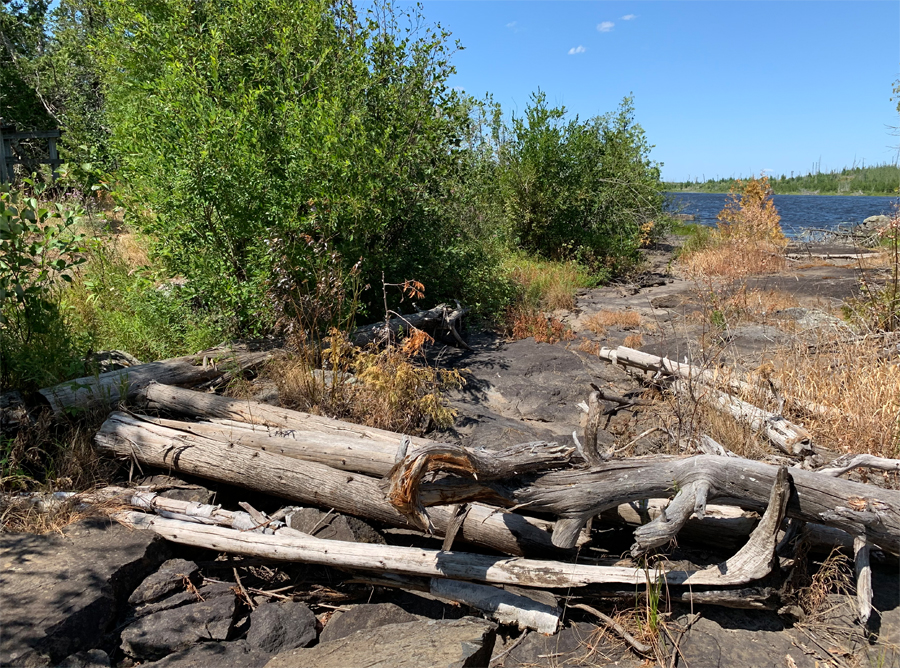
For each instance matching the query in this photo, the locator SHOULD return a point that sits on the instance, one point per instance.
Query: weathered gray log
(501, 605)
(107, 389)
(205, 405)
(293, 546)
(435, 318)
(577, 495)
(405, 478)
(791, 439)
(863, 579)
(847, 462)
(305, 482)
(592, 428)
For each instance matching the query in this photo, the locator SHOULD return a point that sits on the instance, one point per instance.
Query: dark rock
(570, 647)
(171, 577)
(728, 638)
(363, 617)
(666, 301)
(171, 487)
(59, 594)
(333, 527)
(460, 643)
(237, 654)
(279, 626)
(206, 593)
(162, 633)
(95, 658)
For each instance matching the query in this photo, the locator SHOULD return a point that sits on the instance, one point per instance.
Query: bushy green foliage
(38, 249)
(576, 189)
(238, 132)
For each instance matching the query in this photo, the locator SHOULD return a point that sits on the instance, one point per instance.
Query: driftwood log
(441, 317)
(107, 389)
(576, 495)
(160, 397)
(788, 437)
(306, 482)
(752, 562)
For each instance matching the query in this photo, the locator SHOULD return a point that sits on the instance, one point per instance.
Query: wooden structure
(11, 154)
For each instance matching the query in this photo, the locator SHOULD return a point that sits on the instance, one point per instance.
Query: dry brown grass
(856, 384)
(391, 389)
(524, 322)
(634, 341)
(734, 259)
(624, 319)
(589, 347)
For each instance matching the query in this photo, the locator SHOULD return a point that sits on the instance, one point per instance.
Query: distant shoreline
(810, 194)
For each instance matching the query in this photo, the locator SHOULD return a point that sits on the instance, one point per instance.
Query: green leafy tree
(239, 133)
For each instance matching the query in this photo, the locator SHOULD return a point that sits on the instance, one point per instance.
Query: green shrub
(583, 190)
(39, 249)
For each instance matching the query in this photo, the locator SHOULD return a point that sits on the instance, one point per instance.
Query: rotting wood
(441, 316)
(107, 389)
(592, 428)
(307, 482)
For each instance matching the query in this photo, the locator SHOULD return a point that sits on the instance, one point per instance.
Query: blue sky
(721, 88)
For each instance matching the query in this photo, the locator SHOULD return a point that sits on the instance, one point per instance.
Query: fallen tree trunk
(441, 316)
(107, 389)
(791, 439)
(307, 482)
(576, 495)
(161, 397)
(647, 362)
(752, 562)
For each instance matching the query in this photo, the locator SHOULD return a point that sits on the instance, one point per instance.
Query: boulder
(279, 626)
(94, 658)
(59, 594)
(364, 617)
(171, 577)
(215, 654)
(333, 526)
(171, 487)
(873, 222)
(458, 643)
(162, 633)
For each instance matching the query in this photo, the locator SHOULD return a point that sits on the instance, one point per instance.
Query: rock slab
(162, 633)
(459, 643)
(280, 626)
(59, 594)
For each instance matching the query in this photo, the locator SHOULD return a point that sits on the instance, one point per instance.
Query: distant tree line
(876, 180)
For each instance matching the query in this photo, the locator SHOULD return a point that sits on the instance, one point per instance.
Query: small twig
(610, 453)
(636, 644)
(241, 587)
(319, 523)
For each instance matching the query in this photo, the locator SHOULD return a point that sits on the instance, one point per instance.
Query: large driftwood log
(575, 496)
(306, 482)
(107, 389)
(205, 405)
(441, 316)
(752, 562)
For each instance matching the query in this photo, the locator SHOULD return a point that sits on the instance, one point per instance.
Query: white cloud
(576, 49)
(629, 17)
(606, 26)
(513, 25)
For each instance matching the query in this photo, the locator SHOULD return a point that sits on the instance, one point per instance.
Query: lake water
(797, 212)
